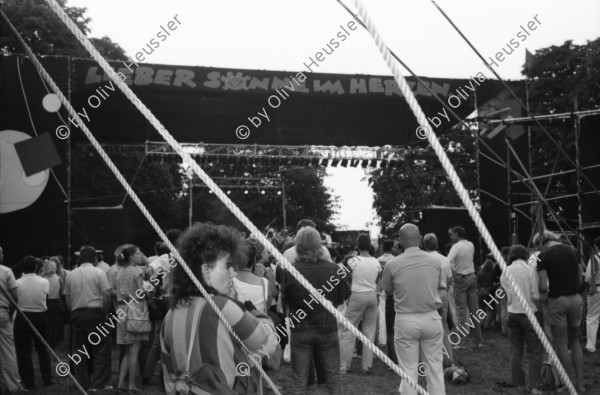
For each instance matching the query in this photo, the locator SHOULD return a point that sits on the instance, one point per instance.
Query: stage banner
(204, 104)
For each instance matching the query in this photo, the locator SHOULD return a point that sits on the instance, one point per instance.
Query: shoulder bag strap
(197, 308)
(265, 285)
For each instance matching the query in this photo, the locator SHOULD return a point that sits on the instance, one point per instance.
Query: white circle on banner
(51, 102)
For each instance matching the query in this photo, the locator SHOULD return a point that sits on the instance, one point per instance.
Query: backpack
(550, 377)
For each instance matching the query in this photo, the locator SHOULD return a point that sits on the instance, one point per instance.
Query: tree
(561, 76)
(163, 186)
(420, 181)
(157, 182)
(46, 34)
(558, 75)
(305, 195)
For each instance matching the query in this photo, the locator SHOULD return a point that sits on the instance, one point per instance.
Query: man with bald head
(413, 278)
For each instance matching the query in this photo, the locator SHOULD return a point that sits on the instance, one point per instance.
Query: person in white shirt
(8, 357)
(362, 305)
(100, 262)
(520, 330)
(465, 282)
(430, 244)
(32, 292)
(413, 277)
(593, 298)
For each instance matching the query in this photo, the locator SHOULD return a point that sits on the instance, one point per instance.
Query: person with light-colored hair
(445, 291)
(362, 305)
(314, 333)
(55, 321)
(413, 278)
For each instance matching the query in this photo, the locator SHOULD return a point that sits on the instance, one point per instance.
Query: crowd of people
(413, 301)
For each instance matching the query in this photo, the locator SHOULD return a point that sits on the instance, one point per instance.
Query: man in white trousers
(413, 278)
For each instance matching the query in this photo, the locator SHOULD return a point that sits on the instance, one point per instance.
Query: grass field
(488, 367)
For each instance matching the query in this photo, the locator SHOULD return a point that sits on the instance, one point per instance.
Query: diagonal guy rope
(135, 198)
(41, 338)
(460, 189)
(526, 178)
(187, 159)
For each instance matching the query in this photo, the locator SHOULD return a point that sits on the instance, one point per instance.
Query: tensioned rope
(135, 198)
(529, 113)
(187, 159)
(533, 117)
(60, 362)
(462, 192)
(527, 182)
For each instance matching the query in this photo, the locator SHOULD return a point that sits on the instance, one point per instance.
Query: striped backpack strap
(181, 325)
(193, 332)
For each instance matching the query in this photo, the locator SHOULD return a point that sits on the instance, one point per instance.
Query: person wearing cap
(87, 295)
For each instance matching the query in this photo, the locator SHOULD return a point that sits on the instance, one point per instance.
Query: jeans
(521, 333)
(504, 313)
(465, 296)
(362, 307)
(326, 347)
(85, 321)
(9, 374)
(390, 319)
(24, 336)
(420, 334)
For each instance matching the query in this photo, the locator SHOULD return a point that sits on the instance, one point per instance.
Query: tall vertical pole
(508, 187)
(68, 171)
(283, 203)
(191, 209)
(529, 146)
(478, 164)
(578, 175)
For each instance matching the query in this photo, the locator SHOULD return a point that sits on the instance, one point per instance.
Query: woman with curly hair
(211, 252)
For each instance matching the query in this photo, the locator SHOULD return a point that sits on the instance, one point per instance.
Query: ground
(488, 367)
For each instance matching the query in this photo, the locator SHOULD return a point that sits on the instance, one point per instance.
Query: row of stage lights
(247, 189)
(277, 160)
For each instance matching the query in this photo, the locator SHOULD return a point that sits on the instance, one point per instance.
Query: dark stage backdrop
(439, 220)
(33, 208)
(196, 104)
(590, 156)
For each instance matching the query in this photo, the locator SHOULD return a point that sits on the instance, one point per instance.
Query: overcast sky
(282, 34)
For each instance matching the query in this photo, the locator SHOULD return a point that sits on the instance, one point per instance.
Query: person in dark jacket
(314, 329)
